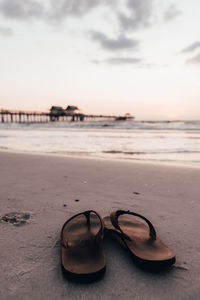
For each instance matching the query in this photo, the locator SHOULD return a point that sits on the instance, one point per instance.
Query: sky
(108, 57)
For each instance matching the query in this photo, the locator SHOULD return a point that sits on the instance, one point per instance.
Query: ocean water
(152, 141)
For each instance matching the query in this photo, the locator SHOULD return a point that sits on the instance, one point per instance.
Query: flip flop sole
(84, 278)
(151, 254)
(83, 257)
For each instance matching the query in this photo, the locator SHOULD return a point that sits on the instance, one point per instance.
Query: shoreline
(181, 164)
(164, 145)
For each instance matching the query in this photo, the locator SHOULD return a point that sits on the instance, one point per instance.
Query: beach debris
(22, 273)
(136, 193)
(16, 218)
(64, 205)
(180, 267)
(76, 200)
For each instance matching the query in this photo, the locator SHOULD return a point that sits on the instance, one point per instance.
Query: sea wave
(134, 140)
(150, 152)
(104, 124)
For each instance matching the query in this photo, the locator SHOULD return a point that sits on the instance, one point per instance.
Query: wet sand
(46, 190)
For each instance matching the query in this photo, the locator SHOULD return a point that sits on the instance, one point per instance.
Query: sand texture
(38, 193)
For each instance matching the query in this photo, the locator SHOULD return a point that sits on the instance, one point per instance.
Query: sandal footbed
(144, 249)
(84, 256)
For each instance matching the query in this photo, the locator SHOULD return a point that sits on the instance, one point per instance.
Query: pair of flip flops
(82, 253)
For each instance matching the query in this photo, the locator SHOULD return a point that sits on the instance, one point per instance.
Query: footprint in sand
(16, 218)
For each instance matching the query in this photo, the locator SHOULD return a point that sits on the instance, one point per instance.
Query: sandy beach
(50, 189)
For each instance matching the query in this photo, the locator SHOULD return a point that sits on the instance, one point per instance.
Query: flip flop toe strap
(114, 219)
(87, 213)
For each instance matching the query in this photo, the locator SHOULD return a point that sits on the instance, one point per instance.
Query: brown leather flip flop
(140, 240)
(82, 253)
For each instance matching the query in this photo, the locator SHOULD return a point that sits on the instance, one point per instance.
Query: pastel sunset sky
(105, 56)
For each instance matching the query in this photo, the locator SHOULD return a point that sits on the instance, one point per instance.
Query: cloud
(62, 8)
(129, 16)
(171, 13)
(120, 43)
(21, 9)
(140, 14)
(123, 61)
(120, 61)
(49, 9)
(5, 31)
(191, 47)
(194, 60)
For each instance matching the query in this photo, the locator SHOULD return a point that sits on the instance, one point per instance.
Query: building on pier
(71, 111)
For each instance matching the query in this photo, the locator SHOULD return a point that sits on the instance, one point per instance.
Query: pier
(14, 116)
(11, 116)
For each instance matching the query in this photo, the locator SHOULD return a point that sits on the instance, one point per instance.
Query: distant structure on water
(56, 113)
(124, 118)
(69, 111)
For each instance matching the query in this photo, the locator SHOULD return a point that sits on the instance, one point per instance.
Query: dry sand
(51, 189)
